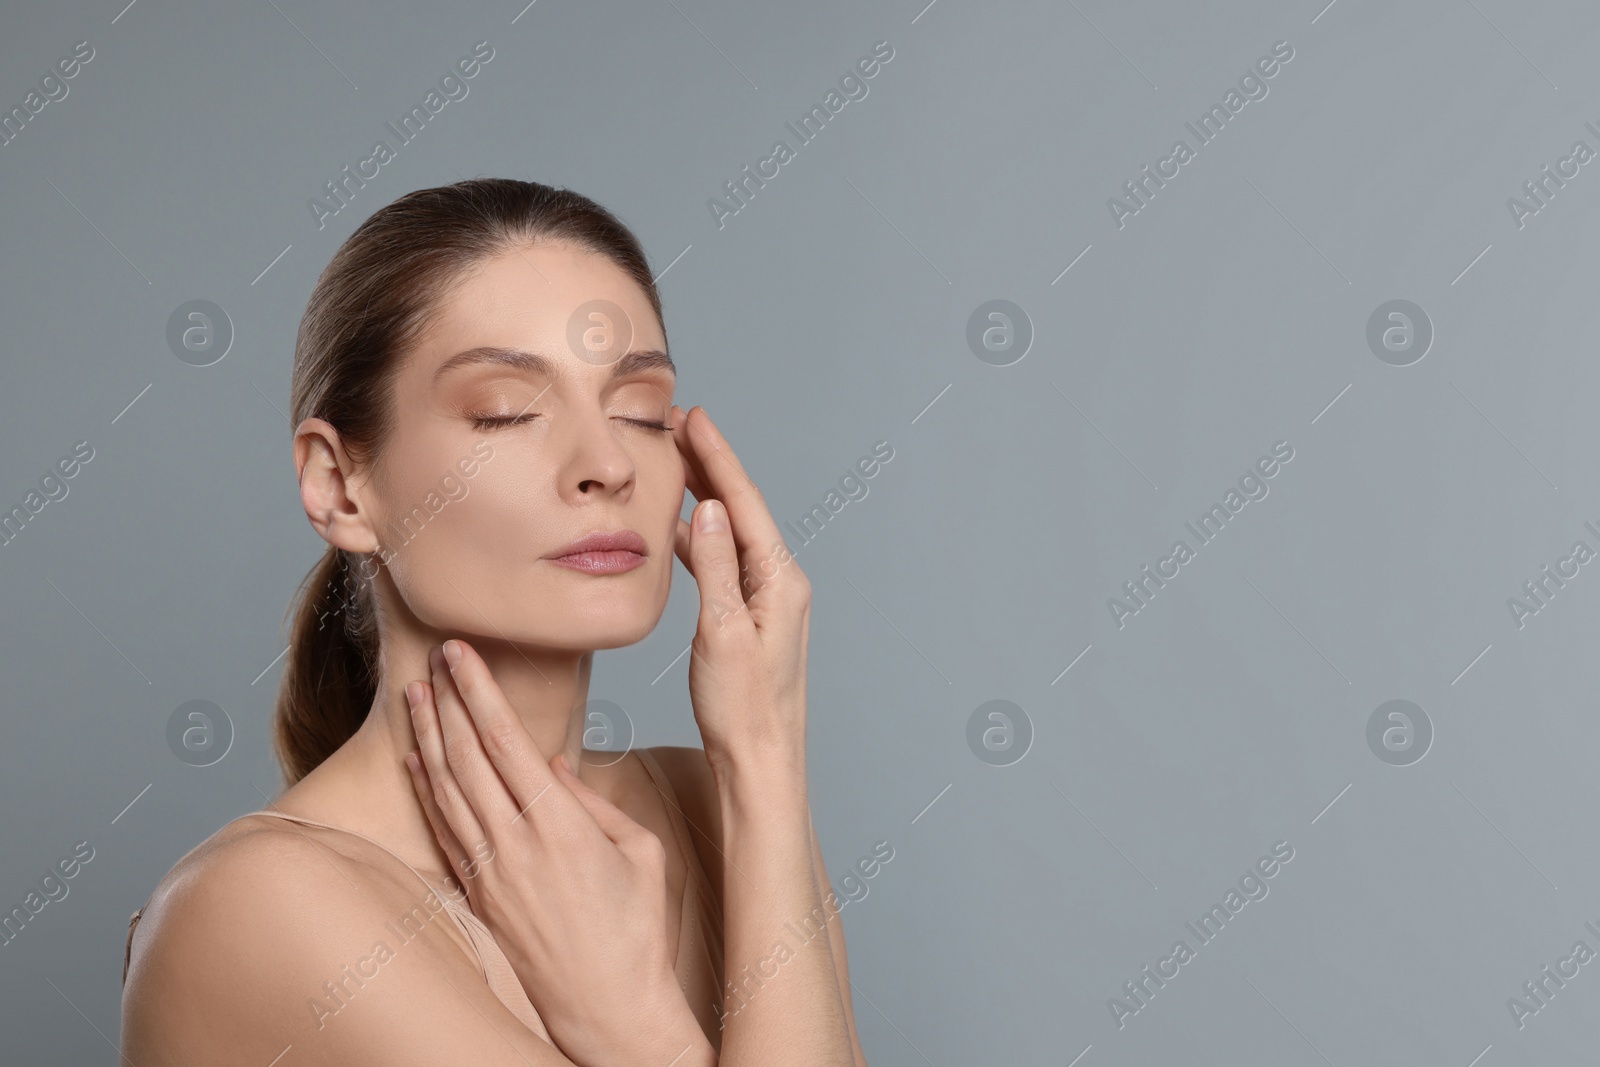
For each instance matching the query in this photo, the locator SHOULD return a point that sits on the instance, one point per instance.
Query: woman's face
(525, 421)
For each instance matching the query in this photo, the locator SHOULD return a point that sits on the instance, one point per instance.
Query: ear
(332, 503)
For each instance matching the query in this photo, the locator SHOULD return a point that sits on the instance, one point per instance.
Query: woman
(485, 436)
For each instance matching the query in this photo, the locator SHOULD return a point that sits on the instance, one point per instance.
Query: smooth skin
(252, 925)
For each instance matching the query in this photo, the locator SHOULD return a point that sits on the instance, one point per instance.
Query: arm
(747, 687)
(274, 943)
(836, 943)
(787, 1009)
(702, 807)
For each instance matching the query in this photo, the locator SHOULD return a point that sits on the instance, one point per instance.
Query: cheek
(506, 515)
(670, 476)
(667, 493)
(433, 526)
(457, 561)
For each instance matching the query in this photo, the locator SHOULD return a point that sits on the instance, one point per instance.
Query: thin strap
(493, 963)
(680, 823)
(700, 939)
(479, 936)
(133, 920)
(127, 949)
(460, 913)
(356, 833)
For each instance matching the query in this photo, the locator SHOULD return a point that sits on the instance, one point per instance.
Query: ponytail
(330, 681)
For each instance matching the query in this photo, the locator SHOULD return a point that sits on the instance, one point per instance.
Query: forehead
(541, 297)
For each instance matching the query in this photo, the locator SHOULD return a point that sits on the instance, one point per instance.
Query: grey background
(831, 313)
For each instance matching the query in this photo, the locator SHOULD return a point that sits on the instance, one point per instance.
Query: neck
(366, 781)
(546, 689)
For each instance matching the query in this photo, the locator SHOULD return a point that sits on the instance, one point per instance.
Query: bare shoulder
(242, 866)
(220, 925)
(264, 939)
(690, 774)
(223, 889)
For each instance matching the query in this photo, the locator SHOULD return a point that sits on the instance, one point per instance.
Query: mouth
(602, 553)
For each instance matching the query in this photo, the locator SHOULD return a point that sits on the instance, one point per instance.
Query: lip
(603, 552)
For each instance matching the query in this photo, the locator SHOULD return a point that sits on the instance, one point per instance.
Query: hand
(747, 671)
(573, 890)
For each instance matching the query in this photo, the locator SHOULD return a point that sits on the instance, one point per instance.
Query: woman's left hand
(747, 672)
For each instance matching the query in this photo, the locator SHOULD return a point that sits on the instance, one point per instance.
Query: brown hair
(369, 307)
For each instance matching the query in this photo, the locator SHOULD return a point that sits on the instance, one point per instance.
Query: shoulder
(243, 861)
(689, 773)
(248, 865)
(250, 932)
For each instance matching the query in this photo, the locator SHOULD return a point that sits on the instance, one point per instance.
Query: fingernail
(452, 653)
(413, 694)
(710, 519)
(411, 761)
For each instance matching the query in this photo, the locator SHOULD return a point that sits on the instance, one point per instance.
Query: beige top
(699, 964)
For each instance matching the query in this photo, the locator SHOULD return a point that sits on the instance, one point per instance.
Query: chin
(598, 621)
(609, 632)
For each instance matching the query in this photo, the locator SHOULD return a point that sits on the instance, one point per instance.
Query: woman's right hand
(573, 889)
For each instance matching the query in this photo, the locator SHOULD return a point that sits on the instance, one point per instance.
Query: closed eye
(649, 425)
(487, 422)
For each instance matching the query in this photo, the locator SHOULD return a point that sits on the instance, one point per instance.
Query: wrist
(764, 766)
(761, 793)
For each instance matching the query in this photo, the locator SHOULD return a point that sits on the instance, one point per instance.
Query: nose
(596, 463)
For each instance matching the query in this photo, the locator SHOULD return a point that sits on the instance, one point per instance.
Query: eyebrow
(534, 363)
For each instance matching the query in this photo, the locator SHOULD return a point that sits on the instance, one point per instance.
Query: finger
(715, 566)
(447, 791)
(695, 481)
(490, 798)
(508, 749)
(613, 821)
(694, 476)
(430, 807)
(704, 432)
(696, 447)
(680, 545)
(754, 531)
